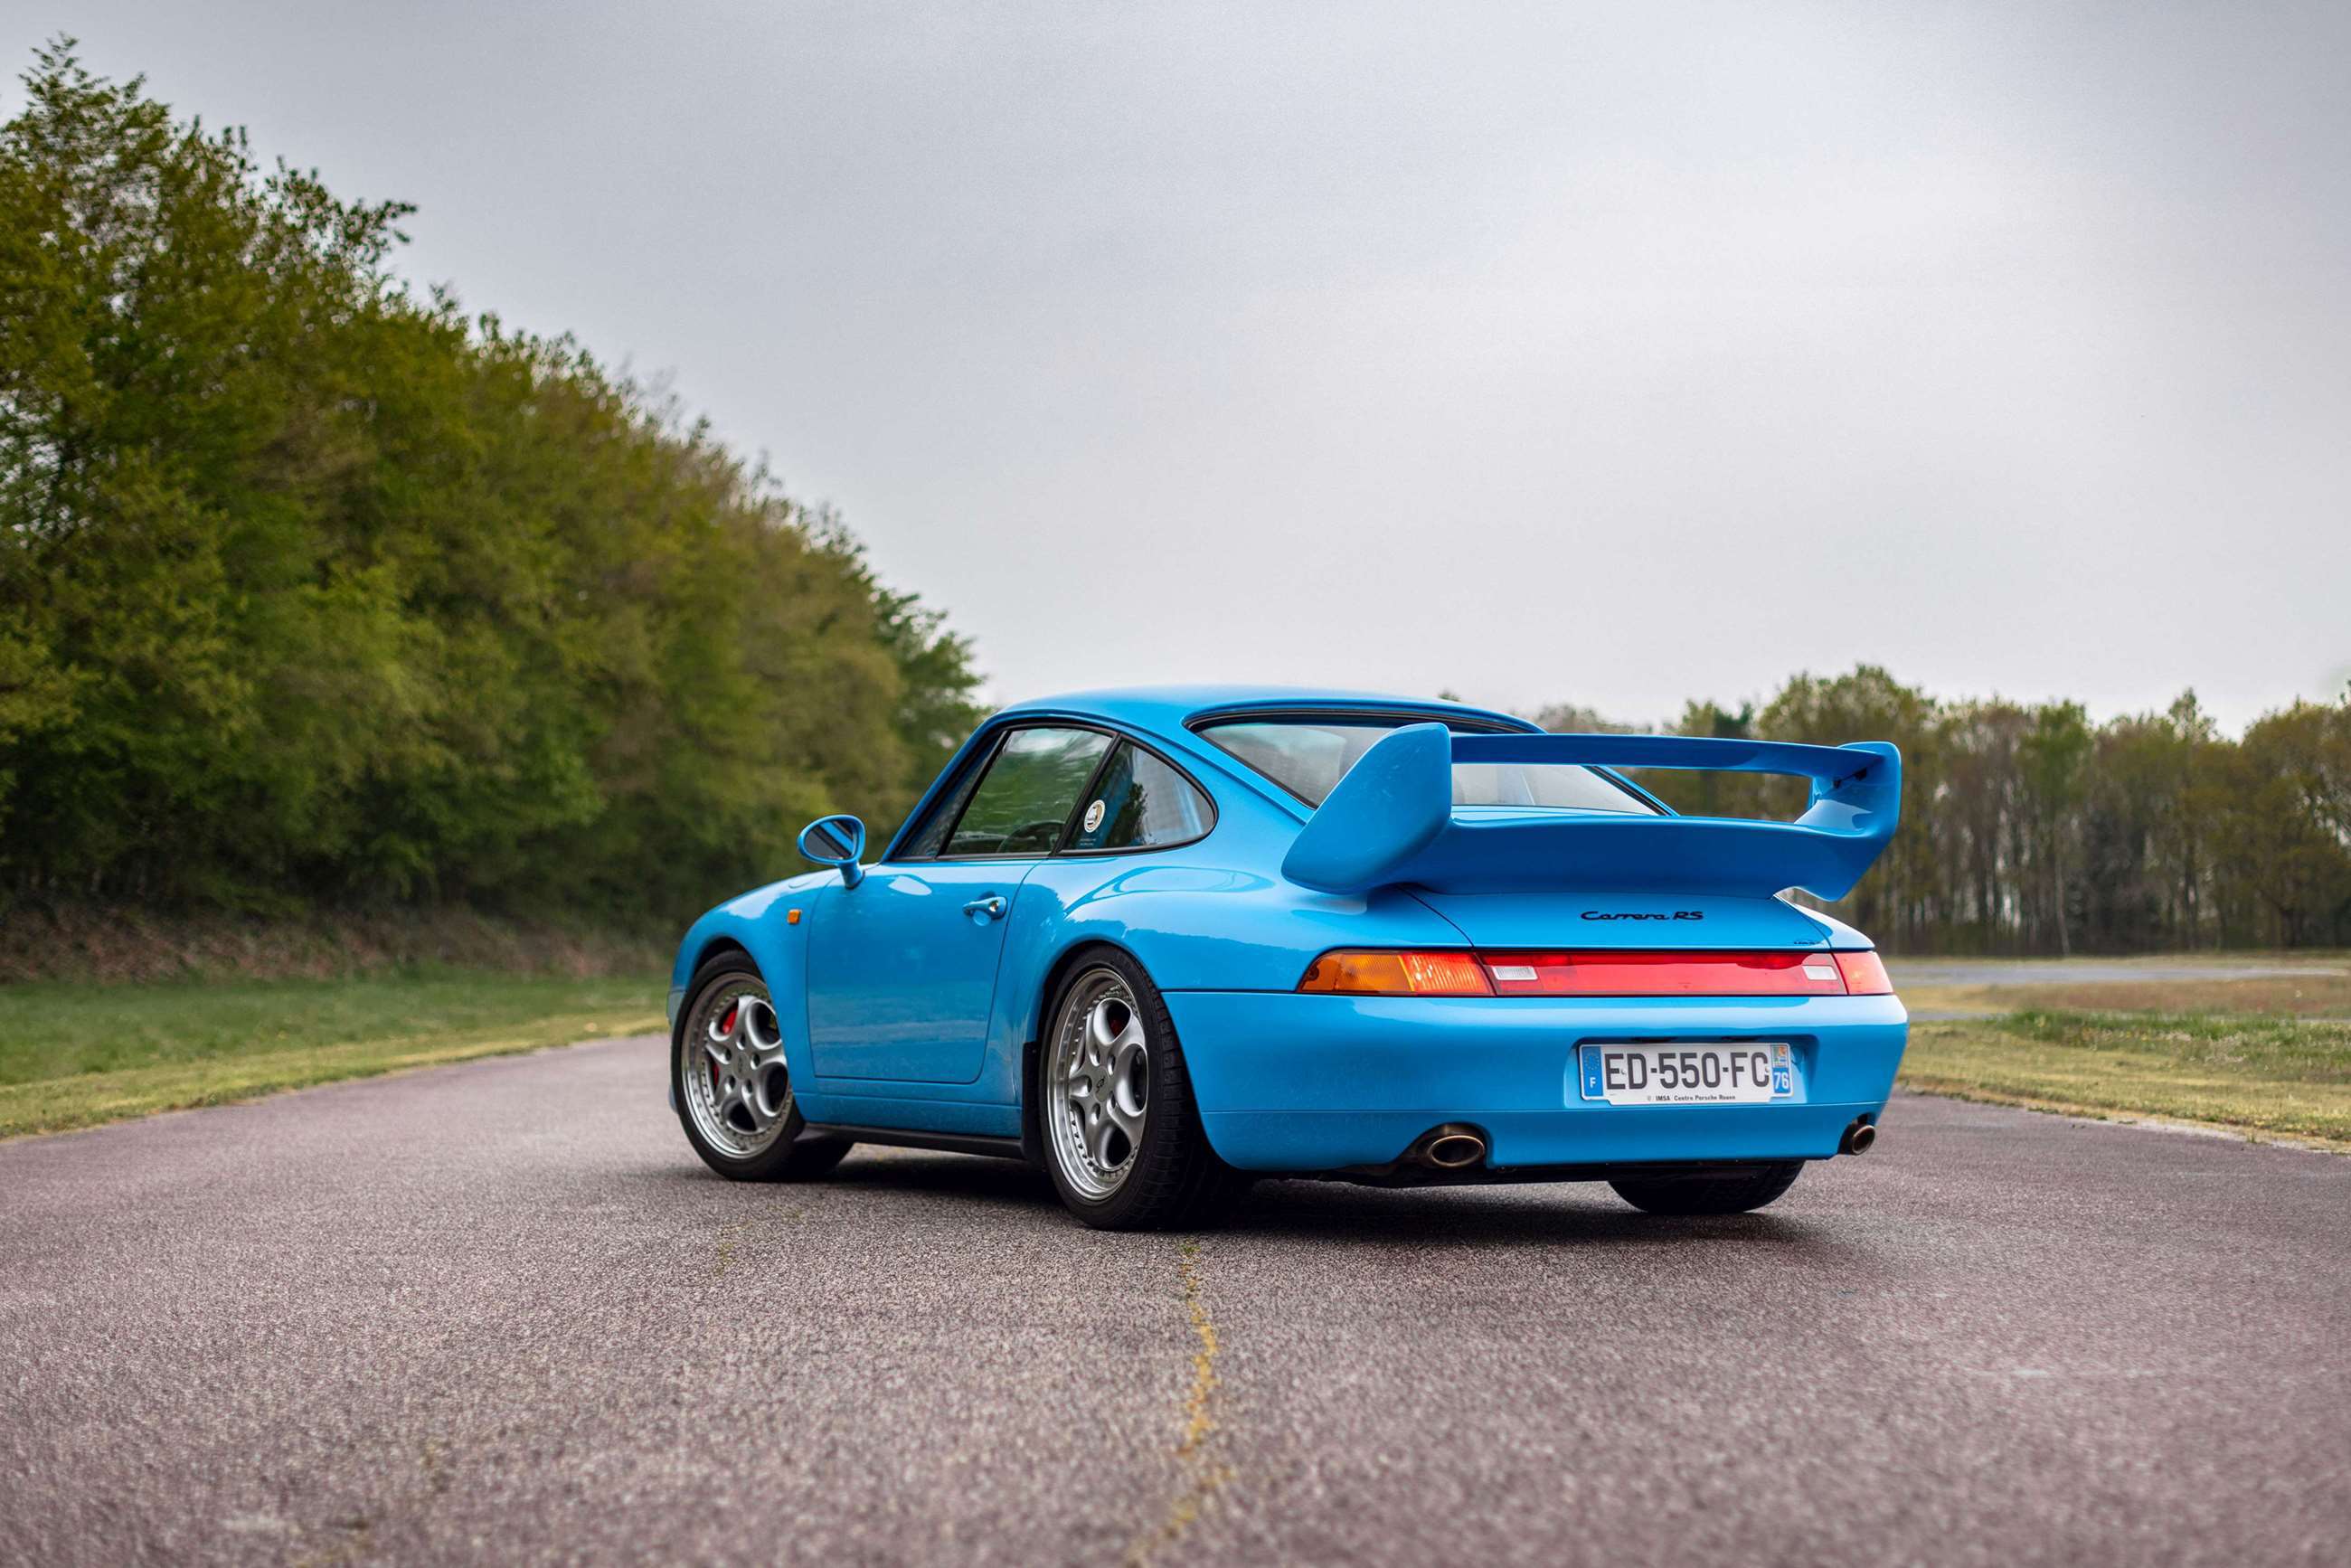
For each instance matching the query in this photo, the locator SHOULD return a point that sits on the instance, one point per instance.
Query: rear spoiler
(1391, 821)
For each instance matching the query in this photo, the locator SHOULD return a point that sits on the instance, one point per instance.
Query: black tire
(792, 1155)
(1173, 1179)
(1752, 1189)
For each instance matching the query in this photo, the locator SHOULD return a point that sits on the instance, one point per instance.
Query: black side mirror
(836, 841)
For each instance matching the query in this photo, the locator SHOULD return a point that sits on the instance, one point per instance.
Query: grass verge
(2273, 1076)
(114, 944)
(2307, 992)
(74, 1056)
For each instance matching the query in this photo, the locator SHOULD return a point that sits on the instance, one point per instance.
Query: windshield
(1307, 757)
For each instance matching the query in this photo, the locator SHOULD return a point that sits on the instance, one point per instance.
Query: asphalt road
(498, 1312)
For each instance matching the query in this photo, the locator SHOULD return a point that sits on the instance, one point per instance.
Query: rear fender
(1190, 927)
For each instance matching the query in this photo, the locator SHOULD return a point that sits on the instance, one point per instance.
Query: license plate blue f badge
(1691, 1072)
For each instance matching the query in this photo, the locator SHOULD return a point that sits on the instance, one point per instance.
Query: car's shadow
(1566, 1213)
(973, 1178)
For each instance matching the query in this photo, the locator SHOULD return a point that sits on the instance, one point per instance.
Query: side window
(927, 843)
(1025, 799)
(1143, 803)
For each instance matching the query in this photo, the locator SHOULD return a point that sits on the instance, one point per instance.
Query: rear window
(1307, 757)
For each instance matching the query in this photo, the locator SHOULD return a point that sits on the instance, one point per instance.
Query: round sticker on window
(1093, 816)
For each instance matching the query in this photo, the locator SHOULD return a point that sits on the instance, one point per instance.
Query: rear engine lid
(1642, 921)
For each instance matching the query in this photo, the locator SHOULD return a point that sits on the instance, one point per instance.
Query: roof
(1162, 710)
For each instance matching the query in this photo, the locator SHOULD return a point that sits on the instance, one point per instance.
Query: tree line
(2028, 829)
(315, 589)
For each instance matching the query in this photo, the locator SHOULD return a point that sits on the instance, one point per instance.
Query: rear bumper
(1290, 1081)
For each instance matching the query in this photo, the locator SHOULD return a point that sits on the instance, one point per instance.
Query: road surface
(498, 1313)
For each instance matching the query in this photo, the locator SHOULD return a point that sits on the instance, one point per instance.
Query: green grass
(2262, 1075)
(74, 1055)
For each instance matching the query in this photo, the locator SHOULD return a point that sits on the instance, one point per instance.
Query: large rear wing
(1391, 821)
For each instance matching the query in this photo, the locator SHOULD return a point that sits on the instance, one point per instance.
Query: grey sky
(1616, 354)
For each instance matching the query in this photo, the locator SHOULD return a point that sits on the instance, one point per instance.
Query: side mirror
(836, 841)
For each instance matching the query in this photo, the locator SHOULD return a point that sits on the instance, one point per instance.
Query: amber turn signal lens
(1865, 975)
(1398, 974)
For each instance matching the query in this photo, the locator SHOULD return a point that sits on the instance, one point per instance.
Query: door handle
(986, 909)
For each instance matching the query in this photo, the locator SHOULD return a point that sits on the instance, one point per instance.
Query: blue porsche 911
(1162, 943)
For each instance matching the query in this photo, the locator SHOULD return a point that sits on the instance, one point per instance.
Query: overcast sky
(1616, 354)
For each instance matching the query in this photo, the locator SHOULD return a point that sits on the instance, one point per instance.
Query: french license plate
(1714, 1073)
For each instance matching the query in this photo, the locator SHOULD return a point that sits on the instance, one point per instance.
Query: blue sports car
(1164, 942)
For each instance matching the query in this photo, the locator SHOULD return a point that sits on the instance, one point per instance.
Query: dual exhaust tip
(1455, 1145)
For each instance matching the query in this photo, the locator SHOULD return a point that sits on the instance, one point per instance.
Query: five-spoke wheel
(733, 1084)
(1098, 1084)
(1122, 1138)
(740, 1089)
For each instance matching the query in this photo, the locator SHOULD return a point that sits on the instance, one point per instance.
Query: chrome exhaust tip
(1451, 1148)
(1858, 1138)
(1454, 1150)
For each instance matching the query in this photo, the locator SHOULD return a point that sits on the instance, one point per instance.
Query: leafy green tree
(1980, 818)
(2286, 833)
(1718, 794)
(311, 588)
(2053, 754)
(1902, 895)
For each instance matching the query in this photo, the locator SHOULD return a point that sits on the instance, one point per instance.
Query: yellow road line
(1197, 1449)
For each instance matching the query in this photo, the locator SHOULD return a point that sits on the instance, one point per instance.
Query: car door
(903, 966)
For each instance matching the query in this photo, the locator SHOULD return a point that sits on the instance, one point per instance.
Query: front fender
(759, 923)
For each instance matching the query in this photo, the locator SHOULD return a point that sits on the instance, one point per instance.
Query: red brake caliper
(726, 1026)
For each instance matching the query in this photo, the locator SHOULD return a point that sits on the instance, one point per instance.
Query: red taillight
(1865, 975)
(1773, 974)
(1397, 975)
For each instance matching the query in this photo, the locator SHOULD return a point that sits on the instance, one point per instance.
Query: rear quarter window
(1140, 803)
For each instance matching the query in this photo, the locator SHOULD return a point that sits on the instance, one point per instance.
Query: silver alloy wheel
(1097, 1084)
(731, 1064)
